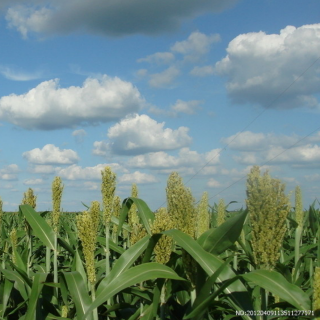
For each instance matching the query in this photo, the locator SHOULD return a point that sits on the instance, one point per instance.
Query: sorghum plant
(29, 198)
(268, 208)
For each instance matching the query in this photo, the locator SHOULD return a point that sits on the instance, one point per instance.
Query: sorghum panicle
(163, 248)
(268, 208)
(108, 187)
(14, 242)
(132, 214)
(29, 198)
(87, 233)
(182, 213)
(57, 189)
(180, 205)
(298, 207)
(221, 213)
(202, 221)
(116, 211)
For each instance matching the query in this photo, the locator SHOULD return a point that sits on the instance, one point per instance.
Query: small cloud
(137, 177)
(29, 182)
(212, 183)
(50, 154)
(164, 78)
(158, 58)
(15, 75)
(79, 135)
(195, 46)
(202, 71)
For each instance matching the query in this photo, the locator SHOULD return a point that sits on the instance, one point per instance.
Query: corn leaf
(210, 263)
(37, 286)
(39, 225)
(125, 261)
(220, 239)
(15, 276)
(144, 212)
(79, 293)
(278, 285)
(138, 274)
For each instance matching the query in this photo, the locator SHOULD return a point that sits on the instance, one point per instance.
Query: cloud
(50, 154)
(164, 78)
(140, 134)
(212, 183)
(110, 18)
(158, 58)
(49, 107)
(15, 75)
(137, 177)
(41, 168)
(259, 67)
(202, 71)
(75, 172)
(79, 135)
(195, 46)
(9, 172)
(259, 147)
(30, 182)
(251, 141)
(186, 158)
(188, 107)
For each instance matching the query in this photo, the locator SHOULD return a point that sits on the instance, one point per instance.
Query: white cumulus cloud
(75, 172)
(195, 46)
(259, 67)
(140, 134)
(186, 158)
(137, 177)
(50, 154)
(49, 107)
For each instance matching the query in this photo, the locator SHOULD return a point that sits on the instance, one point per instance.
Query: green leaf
(210, 263)
(125, 261)
(79, 294)
(220, 239)
(8, 285)
(112, 245)
(278, 285)
(15, 276)
(138, 274)
(144, 212)
(39, 226)
(37, 285)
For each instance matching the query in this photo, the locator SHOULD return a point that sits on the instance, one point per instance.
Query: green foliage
(43, 269)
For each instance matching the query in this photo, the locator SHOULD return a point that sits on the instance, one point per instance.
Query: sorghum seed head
(108, 187)
(57, 189)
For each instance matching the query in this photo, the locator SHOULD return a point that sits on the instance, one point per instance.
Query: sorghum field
(119, 260)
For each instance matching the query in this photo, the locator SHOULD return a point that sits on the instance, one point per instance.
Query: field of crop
(119, 260)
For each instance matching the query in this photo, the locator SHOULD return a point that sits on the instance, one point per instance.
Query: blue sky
(207, 88)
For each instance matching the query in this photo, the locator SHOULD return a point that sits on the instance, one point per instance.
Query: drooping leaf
(37, 285)
(220, 239)
(125, 261)
(39, 225)
(138, 274)
(144, 212)
(210, 263)
(79, 293)
(278, 285)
